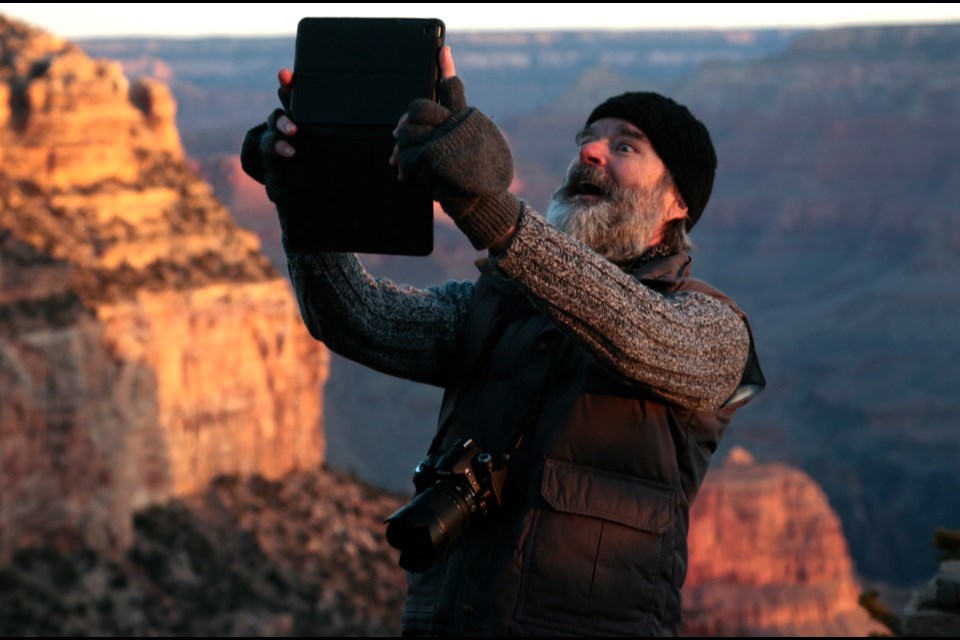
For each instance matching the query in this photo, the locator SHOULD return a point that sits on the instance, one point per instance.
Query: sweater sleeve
(688, 348)
(396, 329)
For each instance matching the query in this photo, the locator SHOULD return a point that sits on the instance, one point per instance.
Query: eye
(625, 147)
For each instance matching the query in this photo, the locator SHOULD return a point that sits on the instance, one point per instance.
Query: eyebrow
(621, 130)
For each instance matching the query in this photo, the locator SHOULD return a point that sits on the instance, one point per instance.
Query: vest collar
(669, 268)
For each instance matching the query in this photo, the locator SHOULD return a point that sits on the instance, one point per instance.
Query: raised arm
(403, 331)
(689, 348)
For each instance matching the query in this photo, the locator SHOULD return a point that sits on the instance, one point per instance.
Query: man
(583, 354)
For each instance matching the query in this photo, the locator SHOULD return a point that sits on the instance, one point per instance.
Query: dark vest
(591, 538)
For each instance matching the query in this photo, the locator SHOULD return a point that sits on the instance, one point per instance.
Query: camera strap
(529, 419)
(533, 409)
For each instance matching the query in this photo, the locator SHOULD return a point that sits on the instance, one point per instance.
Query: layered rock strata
(768, 557)
(146, 343)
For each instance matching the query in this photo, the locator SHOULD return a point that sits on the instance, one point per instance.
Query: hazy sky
(176, 19)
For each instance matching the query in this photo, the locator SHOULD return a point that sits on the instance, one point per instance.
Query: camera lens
(433, 520)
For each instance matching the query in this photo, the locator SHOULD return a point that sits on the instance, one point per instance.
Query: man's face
(617, 195)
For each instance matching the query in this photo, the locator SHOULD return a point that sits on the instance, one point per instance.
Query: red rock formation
(768, 557)
(146, 343)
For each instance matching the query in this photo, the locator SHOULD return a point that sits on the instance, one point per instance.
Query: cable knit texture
(689, 348)
(399, 330)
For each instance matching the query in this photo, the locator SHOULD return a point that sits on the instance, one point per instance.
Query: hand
(462, 158)
(265, 145)
(447, 71)
(457, 151)
(284, 123)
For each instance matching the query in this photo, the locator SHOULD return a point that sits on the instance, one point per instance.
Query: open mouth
(587, 182)
(586, 189)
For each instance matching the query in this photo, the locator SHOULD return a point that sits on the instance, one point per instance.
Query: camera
(452, 487)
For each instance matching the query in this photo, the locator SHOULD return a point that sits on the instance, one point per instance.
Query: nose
(593, 152)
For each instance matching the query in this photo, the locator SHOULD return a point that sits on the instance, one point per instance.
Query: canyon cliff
(147, 344)
(768, 557)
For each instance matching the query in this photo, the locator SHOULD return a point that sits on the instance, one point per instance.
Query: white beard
(619, 227)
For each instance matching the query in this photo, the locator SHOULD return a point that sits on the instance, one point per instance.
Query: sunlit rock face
(78, 121)
(146, 343)
(768, 557)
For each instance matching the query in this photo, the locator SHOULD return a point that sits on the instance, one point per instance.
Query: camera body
(453, 487)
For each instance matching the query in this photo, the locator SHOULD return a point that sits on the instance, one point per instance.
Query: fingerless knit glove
(283, 178)
(259, 160)
(462, 157)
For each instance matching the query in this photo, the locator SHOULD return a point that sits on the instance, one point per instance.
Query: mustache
(586, 178)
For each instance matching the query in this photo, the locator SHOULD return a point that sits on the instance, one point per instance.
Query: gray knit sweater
(689, 348)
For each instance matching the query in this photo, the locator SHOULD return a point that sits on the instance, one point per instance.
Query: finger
(284, 91)
(447, 68)
(284, 148)
(402, 121)
(272, 144)
(273, 119)
(286, 125)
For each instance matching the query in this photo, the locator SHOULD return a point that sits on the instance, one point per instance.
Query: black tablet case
(353, 79)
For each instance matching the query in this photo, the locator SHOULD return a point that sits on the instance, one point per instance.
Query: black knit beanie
(682, 142)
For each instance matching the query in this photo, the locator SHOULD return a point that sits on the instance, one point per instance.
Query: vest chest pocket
(599, 558)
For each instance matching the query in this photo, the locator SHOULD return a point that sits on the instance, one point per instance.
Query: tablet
(353, 79)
